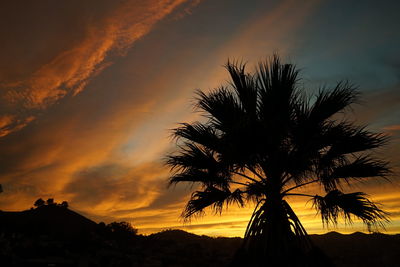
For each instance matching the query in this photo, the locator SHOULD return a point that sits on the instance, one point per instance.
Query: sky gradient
(89, 90)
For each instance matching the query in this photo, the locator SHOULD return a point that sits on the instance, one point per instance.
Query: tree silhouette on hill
(122, 228)
(49, 202)
(263, 140)
(39, 203)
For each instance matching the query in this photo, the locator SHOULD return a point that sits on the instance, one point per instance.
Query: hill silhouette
(360, 249)
(51, 235)
(49, 219)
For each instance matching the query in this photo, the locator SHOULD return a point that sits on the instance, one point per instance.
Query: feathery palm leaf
(213, 197)
(356, 204)
(329, 103)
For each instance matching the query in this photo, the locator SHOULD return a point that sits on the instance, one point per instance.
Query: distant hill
(360, 249)
(345, 250)
(180, 248)
(57, 236)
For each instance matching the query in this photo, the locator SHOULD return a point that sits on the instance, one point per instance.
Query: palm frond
(244, 86)
(206, 178)
(272, 76)
(198, 164)
(329, 103)
(335, 204)
(345, 138)
(361, 167)
(255, 192)
(198, 133)
(211, 197)
(333, 170)
(340, 154)
(192, 156)
(277, 89)
(221, 106)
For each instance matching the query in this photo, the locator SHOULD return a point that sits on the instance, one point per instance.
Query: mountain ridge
(62, 237)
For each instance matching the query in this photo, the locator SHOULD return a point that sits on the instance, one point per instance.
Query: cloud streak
(102, 33)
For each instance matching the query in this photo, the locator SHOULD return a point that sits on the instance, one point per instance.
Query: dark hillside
(180, 248)
(359, 249)
(56, 236)
(49, 219)
(52, 235)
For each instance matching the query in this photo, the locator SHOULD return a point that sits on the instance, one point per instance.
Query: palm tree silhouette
(263, 139)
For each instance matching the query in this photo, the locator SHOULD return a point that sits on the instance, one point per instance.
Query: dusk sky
(90, 90)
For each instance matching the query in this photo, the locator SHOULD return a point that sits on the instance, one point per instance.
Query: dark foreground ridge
(57, 236)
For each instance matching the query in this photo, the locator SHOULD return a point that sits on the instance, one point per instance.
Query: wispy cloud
(107, 30)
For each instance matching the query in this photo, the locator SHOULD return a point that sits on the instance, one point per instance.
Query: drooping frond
(198, 133)
(204, 177)
(192, 156)
(335, 204)
(211, 197)
(198, 164)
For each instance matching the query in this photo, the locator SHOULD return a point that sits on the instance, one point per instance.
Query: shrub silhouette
(63, 204)
(122, 228)
(262, 140)
(38, 203)
(50, 202)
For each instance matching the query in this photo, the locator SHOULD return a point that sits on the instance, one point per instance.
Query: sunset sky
(91, 88)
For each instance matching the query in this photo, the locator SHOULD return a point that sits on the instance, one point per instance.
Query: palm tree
(262, 140)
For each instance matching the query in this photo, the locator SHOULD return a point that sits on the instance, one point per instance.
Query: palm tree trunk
(275, 237)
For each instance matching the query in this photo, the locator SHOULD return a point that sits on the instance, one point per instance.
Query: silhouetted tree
(63, 204)
(123, 228)
(39, 203)
(263, 140)
(50, 201)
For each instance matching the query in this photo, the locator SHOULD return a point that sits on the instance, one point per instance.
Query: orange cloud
(68, 70)
(9, 123)
(392, 128)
